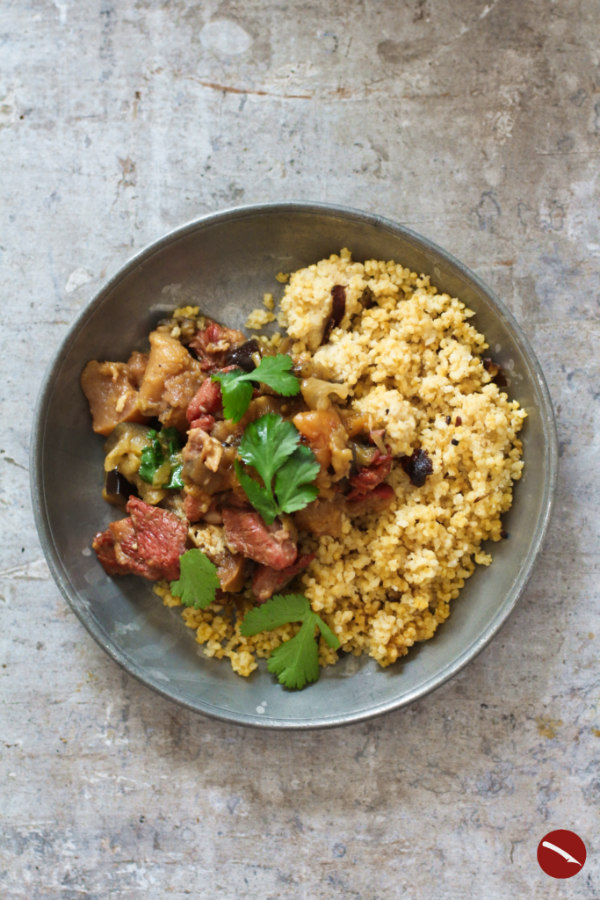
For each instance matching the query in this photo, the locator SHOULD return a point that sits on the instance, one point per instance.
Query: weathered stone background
(475, 122)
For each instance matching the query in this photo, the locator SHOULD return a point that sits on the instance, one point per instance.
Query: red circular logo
(561, 853)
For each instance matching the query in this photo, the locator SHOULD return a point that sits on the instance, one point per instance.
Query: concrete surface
(475, 122)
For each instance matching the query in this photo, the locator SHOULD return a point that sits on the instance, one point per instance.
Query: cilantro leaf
(236, 387)
(169, 438)
(151, 458)
(272, 447)
(327, 634)
(236, 392)
(275, 371)
(267, 443)
(277, 611)
(260, 497)
(292, 481)
(296, 661)
(198, 580)
(176, 481)
(160, 461)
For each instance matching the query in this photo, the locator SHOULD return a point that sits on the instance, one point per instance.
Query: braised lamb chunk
(148, 542)
(321, 517)
(267, 581)
(206, 401)
(370, 476)
(213, 343)
(376, 500)
(207, 463)
(246, 533)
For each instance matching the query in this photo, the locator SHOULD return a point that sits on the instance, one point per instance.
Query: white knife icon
(562, 852)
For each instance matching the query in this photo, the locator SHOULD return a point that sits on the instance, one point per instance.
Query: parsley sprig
(271, 446)
(198, 580)
(161, 462)
(236, 385)
(295, 662)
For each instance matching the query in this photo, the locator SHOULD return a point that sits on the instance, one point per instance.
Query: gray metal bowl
(224, 263)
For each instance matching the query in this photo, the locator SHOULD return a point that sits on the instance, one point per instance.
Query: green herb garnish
(236, 386)
(295, 662)
(198, 580)
(272, 447)
(161, 463)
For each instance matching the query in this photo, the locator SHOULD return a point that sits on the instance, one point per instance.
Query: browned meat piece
(207, 463)
(112, 394)
(376, 500)
(268, 581)
(161, 536)
(130, 560)
(230, 572)
(206, 422)
(369, 477)
(179, 390)
(270, 545)
(207, 399)
(104, 545)
(213, 343)
(320, 517)
(196, 502)
(148, 542)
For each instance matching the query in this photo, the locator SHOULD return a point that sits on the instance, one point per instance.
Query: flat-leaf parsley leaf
(271, 445)
(236, 385)
(198, 580)
(295, 662)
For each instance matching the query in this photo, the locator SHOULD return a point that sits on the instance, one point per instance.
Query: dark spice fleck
(458, 420)
(448, 420)
(367, 298)
(455, 442)
(504, 535)
(496, 371)
(417, 466)
(338, 308)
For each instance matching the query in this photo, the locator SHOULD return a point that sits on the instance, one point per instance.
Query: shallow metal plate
(225, 263)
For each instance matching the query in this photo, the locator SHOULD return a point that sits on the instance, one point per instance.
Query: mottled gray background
(475, 122)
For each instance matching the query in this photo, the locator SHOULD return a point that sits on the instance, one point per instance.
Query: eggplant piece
(242, 356)
(117, 489)
(363, 455)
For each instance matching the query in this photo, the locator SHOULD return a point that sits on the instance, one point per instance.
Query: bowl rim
(36, 457)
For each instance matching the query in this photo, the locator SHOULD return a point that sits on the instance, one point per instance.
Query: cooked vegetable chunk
(111, 391)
